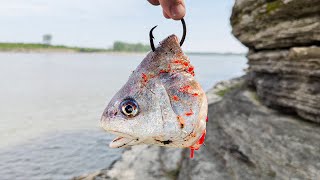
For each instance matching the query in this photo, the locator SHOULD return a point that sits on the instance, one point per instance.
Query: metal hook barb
(182, 39)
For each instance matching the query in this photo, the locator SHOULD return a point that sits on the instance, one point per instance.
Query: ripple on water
(58, 156)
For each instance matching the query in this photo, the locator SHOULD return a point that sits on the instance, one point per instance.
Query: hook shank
(182, 39)
(151, 39)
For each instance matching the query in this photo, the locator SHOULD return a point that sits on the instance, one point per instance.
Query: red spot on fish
(207, 119)
(190, 69)
(144, 77)
(195, 94)
(182, 62)
(185, 89)
(176, 98)
(189, 113)
(176, 61)
(163, 71)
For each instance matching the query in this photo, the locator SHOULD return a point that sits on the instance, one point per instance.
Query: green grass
(272, 6)
(38, 46)
(225, 91)
(119, 46)
(254, 96)
(173, 174)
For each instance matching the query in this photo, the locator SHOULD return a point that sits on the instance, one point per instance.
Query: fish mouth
(123, 140)
(120, 142)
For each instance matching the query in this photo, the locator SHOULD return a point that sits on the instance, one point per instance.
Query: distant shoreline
(43, 48)
(37, 47)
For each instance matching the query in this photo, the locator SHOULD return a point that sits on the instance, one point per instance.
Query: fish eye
(129, 107)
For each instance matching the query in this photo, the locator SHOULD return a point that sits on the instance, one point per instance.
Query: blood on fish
(207, 119)
(201, 140)
(176, 61)
(185, 89)
(195, 94)
(163, 71)
(176, 98)
(144, 77)
(191, 69)
(189, 113)
(182, 62)
(191, 153)
(198, 144)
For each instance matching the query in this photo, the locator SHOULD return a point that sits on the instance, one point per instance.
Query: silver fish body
(160, 104)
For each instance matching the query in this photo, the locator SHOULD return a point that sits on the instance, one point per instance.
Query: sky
(98, 23)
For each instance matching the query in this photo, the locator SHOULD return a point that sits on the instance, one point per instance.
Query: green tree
(46, 39)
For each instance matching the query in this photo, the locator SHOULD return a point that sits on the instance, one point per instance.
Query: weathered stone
(284, 58)
(288, 79)
(246, 140)
(142, 162)
(274, 24)
(216, 93)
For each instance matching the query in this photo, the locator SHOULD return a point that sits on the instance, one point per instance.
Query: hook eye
(182, 39)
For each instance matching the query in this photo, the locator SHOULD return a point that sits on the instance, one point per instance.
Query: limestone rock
(246, 140)
(215, 93)
(288, 79)
(142, 162)
(284, 58)
(273, 24)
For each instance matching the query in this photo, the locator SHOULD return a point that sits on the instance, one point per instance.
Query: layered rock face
(274, 24)
(142, 162)
(284, 58)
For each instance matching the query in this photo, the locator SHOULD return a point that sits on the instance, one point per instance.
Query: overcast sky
(98, 23)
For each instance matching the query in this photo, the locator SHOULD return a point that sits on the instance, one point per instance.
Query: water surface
(50, 107)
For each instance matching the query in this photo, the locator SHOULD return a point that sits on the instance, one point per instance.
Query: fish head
(161, 103)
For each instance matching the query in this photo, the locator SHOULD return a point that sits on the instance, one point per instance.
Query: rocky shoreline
(283, 37)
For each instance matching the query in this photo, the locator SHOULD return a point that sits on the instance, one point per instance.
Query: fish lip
(122, 140)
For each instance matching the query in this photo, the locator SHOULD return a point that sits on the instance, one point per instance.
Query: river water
(50, 107)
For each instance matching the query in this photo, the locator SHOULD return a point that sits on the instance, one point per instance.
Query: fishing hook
(182, 39)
